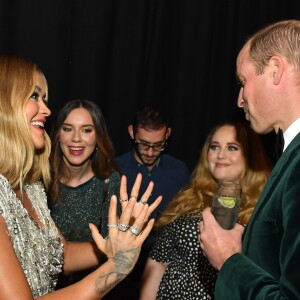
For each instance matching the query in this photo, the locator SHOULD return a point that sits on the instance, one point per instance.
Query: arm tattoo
(124, 263)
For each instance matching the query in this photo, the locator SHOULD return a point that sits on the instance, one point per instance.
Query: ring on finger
(123, 227)
(123, 200)
(112, 226)
(135, 230)
(142, 202)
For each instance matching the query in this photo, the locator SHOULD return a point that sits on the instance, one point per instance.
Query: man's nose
(240, 101)
(150, 151)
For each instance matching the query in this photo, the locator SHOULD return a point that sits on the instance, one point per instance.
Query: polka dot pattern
(189, 274)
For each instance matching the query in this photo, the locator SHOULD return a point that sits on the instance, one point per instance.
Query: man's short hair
(150, 117)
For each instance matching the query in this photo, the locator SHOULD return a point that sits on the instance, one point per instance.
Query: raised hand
(124, 198)
(123, 246)
(127, 234)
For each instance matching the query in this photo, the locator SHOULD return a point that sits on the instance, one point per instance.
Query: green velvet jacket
(269, 265)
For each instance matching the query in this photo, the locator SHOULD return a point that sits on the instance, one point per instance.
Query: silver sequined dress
(40, 251)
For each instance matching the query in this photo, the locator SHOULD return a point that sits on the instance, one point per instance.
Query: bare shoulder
(11, 273)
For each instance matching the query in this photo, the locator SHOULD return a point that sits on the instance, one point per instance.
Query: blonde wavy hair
(199, 193)
(19, 162)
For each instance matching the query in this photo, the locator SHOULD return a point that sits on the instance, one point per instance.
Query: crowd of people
(33, 251)
(176, 268)
(260, 263)
(75, 220)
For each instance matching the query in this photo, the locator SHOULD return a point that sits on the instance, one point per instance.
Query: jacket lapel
(273, 180)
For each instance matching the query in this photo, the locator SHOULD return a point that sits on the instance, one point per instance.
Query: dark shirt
(169, 176)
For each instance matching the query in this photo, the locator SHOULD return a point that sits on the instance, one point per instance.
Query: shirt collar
(156, 165)
(291, 132)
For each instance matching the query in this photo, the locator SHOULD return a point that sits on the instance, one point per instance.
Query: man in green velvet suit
(264, 263)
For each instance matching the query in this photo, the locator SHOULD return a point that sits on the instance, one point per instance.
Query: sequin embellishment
(40, 251)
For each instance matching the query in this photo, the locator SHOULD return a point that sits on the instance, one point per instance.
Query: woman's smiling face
(37, 111)
(225, 156)
(78, 137)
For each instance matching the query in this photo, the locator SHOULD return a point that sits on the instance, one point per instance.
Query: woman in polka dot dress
(176, 267)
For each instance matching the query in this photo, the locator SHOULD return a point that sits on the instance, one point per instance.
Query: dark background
(120, 54)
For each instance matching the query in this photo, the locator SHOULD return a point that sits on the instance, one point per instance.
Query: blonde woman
(176, 268)
(32, 251)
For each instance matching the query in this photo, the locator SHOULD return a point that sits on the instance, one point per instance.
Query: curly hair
(199, 193)
(19, 162)
(102, 161)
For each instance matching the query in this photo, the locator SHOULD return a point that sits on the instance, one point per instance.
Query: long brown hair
(198, 194)
(102, 160)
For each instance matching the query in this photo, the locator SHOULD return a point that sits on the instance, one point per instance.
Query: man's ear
(168, 133)
(277, 66)
(130, 131)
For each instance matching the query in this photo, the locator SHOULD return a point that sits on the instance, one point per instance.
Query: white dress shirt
(291, 132)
